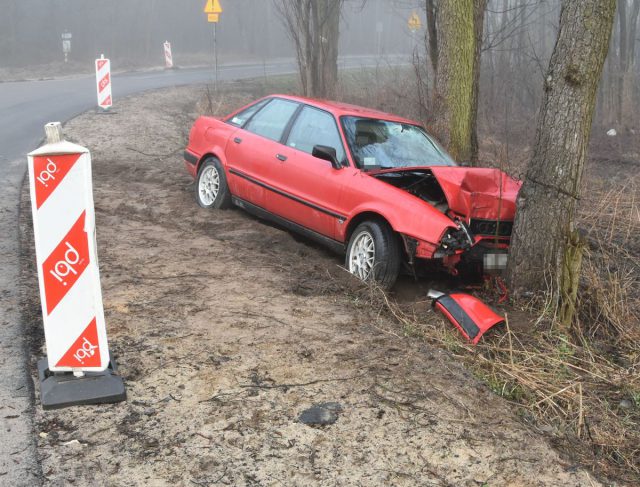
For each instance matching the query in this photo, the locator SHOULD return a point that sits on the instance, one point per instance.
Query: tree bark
(432, 33)
(459, 24)
(547, 201)
(479, 8)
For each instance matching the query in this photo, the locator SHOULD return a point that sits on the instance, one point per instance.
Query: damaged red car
(367, 184)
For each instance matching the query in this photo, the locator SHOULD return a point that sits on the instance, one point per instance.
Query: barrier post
(77, 369)
(168, 58)
(103, 83)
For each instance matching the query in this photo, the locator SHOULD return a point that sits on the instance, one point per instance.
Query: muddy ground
(226, 328)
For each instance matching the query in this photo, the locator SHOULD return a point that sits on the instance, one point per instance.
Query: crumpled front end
(479, 205)
(482, 203)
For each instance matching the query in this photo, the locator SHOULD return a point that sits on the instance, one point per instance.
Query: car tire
(211, 188)
(374, 253)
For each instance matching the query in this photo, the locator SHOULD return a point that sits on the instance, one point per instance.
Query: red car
(367, 183)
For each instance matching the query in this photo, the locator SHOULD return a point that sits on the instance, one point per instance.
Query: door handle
(237, 140)
(280, 157)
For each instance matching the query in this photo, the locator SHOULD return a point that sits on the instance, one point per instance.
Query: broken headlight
(454, 240)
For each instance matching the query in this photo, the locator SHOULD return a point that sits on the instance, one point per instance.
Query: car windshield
(382, 144)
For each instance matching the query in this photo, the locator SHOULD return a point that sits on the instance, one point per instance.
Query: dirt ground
(226, 328)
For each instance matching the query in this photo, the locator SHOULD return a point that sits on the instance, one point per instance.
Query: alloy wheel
(209, 185)
(362, 255)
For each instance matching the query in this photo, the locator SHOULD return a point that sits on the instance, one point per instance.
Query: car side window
(239, 119)
(271, 121)
(315, 127)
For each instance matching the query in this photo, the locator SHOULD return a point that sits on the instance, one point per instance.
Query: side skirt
(333, 245)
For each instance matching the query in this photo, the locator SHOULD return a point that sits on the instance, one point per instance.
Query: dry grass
(583, 389)
(563, 387)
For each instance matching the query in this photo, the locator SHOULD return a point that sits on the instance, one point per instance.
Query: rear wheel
(374, 253)
(211, 185)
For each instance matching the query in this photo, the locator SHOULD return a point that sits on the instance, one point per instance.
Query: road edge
(19, 465)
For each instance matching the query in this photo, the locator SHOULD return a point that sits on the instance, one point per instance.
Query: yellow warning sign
(213, 7)
(414, 22)
(213, 17)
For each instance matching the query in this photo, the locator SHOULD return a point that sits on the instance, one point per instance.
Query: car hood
(474, 192)
(478, 192)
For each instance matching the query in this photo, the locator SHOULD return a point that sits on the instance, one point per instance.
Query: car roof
(339, 109)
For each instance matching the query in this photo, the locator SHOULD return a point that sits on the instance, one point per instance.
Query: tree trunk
(314, 27)
(546, 203)
(622, 58)
(479, 8)
(432, 32)
(326, 24)
(457, 80)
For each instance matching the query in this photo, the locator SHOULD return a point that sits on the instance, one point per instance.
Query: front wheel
(211, 185)
(374, 253)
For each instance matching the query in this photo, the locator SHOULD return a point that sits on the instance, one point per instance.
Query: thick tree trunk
(460, 27)
(547, 201)
(454, 83)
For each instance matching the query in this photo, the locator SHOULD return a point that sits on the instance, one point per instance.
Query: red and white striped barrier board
(168, 59)
(64, 230)
(103, 82)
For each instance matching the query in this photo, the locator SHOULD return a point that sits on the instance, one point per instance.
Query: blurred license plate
(495, 262)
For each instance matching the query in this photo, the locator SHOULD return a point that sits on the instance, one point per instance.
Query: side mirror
(326, 153)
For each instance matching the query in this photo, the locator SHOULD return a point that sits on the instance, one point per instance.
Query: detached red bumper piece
(470, 315)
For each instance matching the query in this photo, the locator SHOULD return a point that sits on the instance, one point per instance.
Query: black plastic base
(62, 389)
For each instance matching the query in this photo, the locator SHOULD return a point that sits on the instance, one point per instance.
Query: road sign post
(415, 24)
(213, 9)
(103, 83)
(66, 44)
(77, 369)
(168, 57)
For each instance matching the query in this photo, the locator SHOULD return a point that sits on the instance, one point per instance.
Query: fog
(519, 36)
(131, 32)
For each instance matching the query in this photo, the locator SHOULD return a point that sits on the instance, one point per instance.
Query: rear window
(315, 127)
(239, 119)
(271, 121)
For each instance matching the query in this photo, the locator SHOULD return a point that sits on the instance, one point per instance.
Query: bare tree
(546, 204)
(313, 26)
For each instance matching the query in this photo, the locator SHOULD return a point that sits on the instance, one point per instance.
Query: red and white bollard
(67, 262)
(103, 82)
(168, 58)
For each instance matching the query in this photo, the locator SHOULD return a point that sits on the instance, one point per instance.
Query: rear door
(252, 151)
(308, 188)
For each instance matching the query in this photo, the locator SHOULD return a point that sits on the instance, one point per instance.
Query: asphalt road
(24, 109)
(26, 106)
